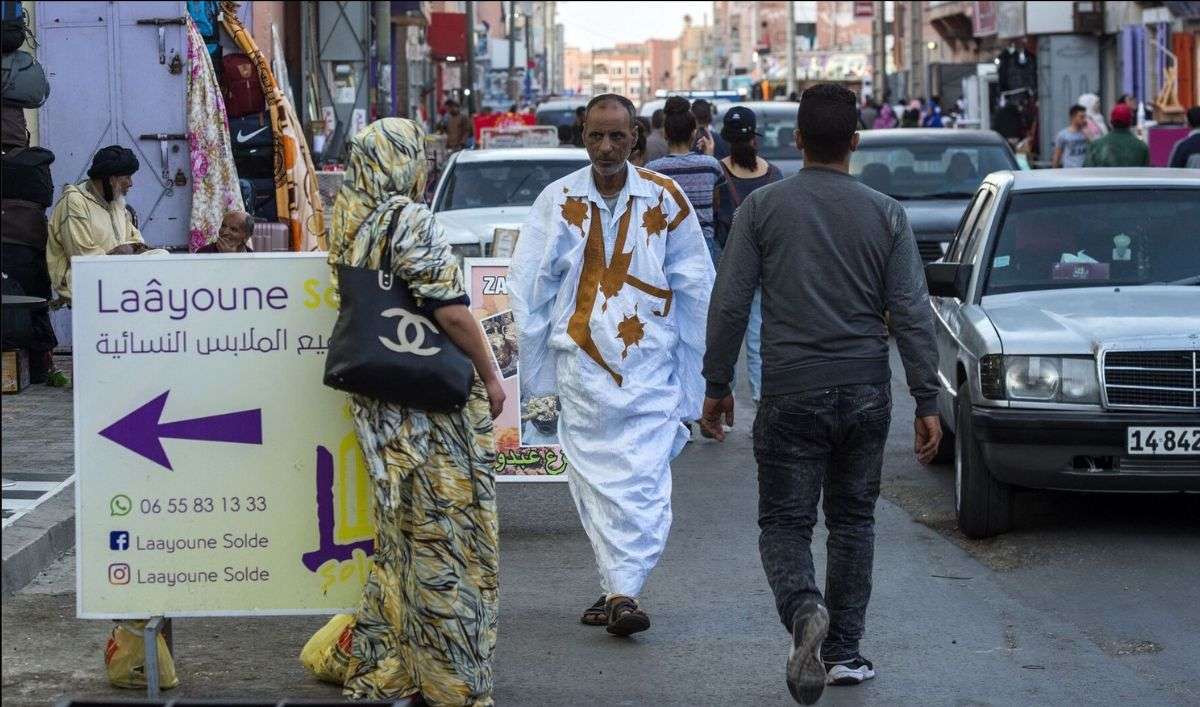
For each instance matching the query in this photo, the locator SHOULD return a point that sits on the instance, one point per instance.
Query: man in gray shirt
(832, 256)
(656, 142)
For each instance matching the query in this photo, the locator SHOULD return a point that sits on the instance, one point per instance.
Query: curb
(37, 539)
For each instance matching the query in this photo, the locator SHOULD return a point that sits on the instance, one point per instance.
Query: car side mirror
(948, 279)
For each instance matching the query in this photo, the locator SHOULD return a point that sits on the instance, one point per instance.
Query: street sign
(216, 475)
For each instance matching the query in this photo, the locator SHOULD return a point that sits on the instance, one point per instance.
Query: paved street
(1089, 601)
(40, 453)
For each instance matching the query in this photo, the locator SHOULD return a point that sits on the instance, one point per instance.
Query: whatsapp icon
(120, 505)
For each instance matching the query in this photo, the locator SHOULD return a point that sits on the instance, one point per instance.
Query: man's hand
(711, 424)
(496, 396)
(123, 249)
(705, 143)
(929, 438)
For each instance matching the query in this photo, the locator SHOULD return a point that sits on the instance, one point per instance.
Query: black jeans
(831, 440)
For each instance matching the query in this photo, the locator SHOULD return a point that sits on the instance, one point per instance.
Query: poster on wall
(527, 430)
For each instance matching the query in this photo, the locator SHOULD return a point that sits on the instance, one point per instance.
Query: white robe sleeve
(532, 287)
(690, 275)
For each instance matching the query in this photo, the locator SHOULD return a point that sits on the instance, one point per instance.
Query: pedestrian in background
(1070, 145)
(577, 128)
(458, 127)
(867, 114)
(911, 118)
(703, 112)
(1095, 127)
(933, 114)
(1186, 152)
(234, 237)
(637, 157)
(618, 339)
(699, 174)
(832, 256)
(426, 624)
(656, 143)
(1120, 147)
(745, 171)
(886, 118)
(91, 219)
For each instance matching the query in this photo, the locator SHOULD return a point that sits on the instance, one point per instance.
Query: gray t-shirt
(1074, 146)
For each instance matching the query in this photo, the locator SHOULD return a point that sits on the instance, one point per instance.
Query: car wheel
(983, 504)
(945, 452)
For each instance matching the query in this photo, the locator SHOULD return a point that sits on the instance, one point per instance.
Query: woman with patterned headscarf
(426, 626)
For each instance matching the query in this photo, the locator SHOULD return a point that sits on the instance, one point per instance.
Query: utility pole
(916, 52)
(791, 48)
(512, 50)
(469, 80)
(879, 52)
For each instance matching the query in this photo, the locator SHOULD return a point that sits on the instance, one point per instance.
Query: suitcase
(13, 131)
(242, 89)
(270, 237)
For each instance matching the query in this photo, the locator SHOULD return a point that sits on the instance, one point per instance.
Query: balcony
(952, 21)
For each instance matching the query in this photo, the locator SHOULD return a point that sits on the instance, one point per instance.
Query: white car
(482, 190)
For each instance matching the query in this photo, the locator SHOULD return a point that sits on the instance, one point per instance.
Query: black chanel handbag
(384, 347)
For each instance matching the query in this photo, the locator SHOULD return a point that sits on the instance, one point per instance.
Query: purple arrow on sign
(141, 432)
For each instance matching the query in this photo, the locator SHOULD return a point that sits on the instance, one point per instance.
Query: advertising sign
(216, 475)
(527, 431)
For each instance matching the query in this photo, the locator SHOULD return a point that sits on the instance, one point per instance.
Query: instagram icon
(118, 573)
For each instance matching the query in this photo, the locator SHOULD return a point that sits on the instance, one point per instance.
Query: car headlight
(1045, 379)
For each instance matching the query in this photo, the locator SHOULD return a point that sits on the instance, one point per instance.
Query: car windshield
(556, 116)
(484, 185)
(1093, 238)
(927, 171)
(778, 130)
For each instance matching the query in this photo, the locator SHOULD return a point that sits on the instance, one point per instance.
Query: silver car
(1068, 333)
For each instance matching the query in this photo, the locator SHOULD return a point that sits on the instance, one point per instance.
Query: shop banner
(216, 475)
(527, 431)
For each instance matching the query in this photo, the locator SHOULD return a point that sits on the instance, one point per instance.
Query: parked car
(777, 125)
(932, 172)
(482, 190)
(1068, 334)
(560, 114)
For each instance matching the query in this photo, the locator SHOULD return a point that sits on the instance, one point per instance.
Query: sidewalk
(38, 458)
(941, 627)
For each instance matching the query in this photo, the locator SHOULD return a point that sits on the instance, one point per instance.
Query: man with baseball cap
(91, 218)
(1120, 147)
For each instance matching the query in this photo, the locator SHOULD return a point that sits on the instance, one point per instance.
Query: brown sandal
(625, 618)
(595, 615)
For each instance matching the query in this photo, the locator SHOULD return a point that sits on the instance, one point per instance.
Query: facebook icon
(118, 540)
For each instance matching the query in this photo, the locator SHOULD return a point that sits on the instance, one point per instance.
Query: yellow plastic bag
(327, 653)
(125, 658)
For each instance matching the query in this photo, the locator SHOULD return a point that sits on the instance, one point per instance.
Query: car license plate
(1163, 441)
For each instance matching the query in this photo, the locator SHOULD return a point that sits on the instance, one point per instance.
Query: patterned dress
(427, 621)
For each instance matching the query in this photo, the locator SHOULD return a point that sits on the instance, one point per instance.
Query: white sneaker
(850, 672)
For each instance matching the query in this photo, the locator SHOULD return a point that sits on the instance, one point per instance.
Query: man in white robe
(610, 285)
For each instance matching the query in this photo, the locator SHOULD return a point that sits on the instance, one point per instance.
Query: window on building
(635, 70)
(601, 69)
(616, 71)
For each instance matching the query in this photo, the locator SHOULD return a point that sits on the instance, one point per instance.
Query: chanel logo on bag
(408, 324)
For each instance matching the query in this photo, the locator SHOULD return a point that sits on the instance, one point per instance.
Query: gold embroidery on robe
(608, 279)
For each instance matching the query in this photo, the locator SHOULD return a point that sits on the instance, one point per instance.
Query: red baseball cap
(1121, 116)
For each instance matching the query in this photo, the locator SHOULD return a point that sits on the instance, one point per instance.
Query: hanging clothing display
(1018, 69)
(215, 189)
(296, 193)
(611, 300)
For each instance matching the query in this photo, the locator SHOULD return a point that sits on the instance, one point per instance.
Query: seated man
(234, 236)
(91, 219)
